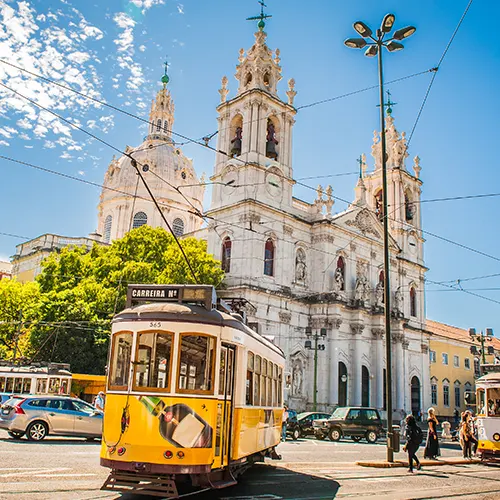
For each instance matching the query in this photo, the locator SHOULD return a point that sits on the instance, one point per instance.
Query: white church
(298, 272)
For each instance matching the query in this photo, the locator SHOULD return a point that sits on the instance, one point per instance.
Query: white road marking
(31, 472)
(73, 475)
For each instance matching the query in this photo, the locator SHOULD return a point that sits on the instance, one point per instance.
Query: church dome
(125, 203)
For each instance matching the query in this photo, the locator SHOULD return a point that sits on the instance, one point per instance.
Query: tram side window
(26, 386)
(41, 386)
(18, 385)
(196, 363)
(280, 386)
(256, 381)
(120, 360)
(54, 385)
(493, 402)
(480, 402)
(9, 386)
(152, 366)
(2, 384)
(249, 386)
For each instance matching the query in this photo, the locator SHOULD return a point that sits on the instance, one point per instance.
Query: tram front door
(224, 426)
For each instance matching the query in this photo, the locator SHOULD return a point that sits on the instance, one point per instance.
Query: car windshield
(340, 413)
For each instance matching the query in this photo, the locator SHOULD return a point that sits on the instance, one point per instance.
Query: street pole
(387, 287)
(315, 397)
(482, 348)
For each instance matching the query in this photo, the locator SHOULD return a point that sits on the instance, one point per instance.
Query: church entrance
(365, 386)
(416, 405)
(342, 384)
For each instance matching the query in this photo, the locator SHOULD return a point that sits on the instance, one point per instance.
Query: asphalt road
(309, 470)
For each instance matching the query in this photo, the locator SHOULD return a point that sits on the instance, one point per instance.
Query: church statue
(379, 294)
(297, 379)
(398, 302)
(338, 281)
(360, 292)
(300, 268)
(236, 142)
(271, 141)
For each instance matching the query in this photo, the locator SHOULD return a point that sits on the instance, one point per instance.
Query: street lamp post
(480, 338)
(317, 347)
(374, 49)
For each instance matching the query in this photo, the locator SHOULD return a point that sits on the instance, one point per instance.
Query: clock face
(274, 185)
(412, 244)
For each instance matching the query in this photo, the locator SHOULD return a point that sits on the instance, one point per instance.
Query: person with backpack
(414, 438)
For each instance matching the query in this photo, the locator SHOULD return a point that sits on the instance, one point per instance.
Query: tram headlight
(180, 454)
(121, 450)
(168, 454)
(496, 436)
(111, 449)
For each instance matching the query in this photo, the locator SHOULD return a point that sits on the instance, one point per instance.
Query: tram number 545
(155, 324)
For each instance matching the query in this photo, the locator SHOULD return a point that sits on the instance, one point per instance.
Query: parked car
(39, 416)
(303, 425)
(356, 422)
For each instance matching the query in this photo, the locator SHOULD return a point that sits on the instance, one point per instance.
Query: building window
(457, 397)
(434, 394)
(165, 126)
(467, 363)
(341, 272)
(226, 254)
(269, 258)
(446, 395)
(456, 361)
(409, 208)
(432, 356)
(178, 227)
(413, 302)
(107, 228)
(477, 367)
(140, 219)
(158, 125)
(445, 358)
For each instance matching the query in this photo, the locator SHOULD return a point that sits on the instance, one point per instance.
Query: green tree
(81, 291)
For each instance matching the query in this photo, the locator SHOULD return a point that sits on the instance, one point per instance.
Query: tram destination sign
(192, 294)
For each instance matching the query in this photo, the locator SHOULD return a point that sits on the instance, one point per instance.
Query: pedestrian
(414, 438)
(99, 401)
(469, 434)
(456, 417)
(432, 444)
(463, 435)
(284, 420)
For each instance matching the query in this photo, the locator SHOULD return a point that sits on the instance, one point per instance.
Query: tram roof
(36, 370)
(189, 313)
(492, 378)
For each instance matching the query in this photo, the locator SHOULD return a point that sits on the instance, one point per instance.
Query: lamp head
(489, 332)
(371, 51)
(323, 332)
(404, 33)
(393, 46)
(361, 28)
(309, 331)
(472, 332)
(387, 23)
(308, 344)
(355, 43)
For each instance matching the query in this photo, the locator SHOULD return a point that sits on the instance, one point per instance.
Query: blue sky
(114, 50)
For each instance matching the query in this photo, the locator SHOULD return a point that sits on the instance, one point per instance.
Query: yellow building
(453, 367)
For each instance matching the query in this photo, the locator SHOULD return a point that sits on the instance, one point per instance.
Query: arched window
(140, 218)
(416, 404)
(269, 258)
(379, 204)
(413, 302)
(158, 125)
(342, 381)
(178, 227)
(165, 127)
(409, 208)
(107, 228)
(341, 268)
(226, 254)
(300, 266)
(267, 80)
(365, 386)
(248, 78)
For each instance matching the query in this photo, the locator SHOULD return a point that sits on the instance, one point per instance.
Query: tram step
(225, 481)
(140, 484)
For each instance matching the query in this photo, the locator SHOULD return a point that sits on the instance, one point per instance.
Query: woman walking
(467, 439)
(463, 435)
(432, 445)
(413, 435)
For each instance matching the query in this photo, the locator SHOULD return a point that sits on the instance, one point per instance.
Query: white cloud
(180, 8)
(3, 143)
(146, 4)
(81, 172)
(142, 48)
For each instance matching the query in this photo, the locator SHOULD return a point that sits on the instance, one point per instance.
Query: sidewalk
(382, 464)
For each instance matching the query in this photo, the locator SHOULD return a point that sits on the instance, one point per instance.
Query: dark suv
(356, 422)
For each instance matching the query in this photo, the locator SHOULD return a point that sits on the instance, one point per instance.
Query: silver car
(38, 416)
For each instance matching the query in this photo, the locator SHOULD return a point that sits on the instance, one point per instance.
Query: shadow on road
(53, 441)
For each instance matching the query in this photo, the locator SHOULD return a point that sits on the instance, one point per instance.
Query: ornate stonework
(378, 333)
(288, 230)
(364, 223)
(357, 328)
(424, 348)
(285, 316)
(250, 217)
(323, 238)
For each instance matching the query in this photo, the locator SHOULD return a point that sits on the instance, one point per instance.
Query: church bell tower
(254, 144)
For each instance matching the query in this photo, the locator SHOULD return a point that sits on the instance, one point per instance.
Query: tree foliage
(78, 292)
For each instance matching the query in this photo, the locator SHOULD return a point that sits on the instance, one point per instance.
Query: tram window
(256, 381)
(269, 391)
(480, 402)
(280, 386)
(41, 386)
(222, 371)
(64, 387)
(18, 385)
(2, 384)
(196, 363)
(152, 365)
(493, 397)
(120, 360)
(54, 385)
(9, 386)
(249, 383)
(262, 390)
(26, 386)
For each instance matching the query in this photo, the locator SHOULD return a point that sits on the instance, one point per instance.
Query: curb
(404, 463)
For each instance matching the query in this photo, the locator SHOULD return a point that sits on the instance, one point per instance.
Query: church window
(379, 205)
(248, 78)
(269, 258)
(158, 125)
(409, 208)
(365, 386)
(413, 302)
(140, 219)
(178, 227)
(226, 254)
(267, 80)
(300, 266)
(165, 127)
(271, 141)
(107, 228)
(341, 268)
(236, 135)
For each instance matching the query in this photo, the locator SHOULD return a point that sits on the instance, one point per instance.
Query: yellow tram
(194, 396)
(488, 413)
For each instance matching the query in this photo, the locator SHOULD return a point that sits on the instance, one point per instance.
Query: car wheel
(296, 434)
(371, 436)
(334, 435)
(16, 434)
(37, 431)
(356, 439)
